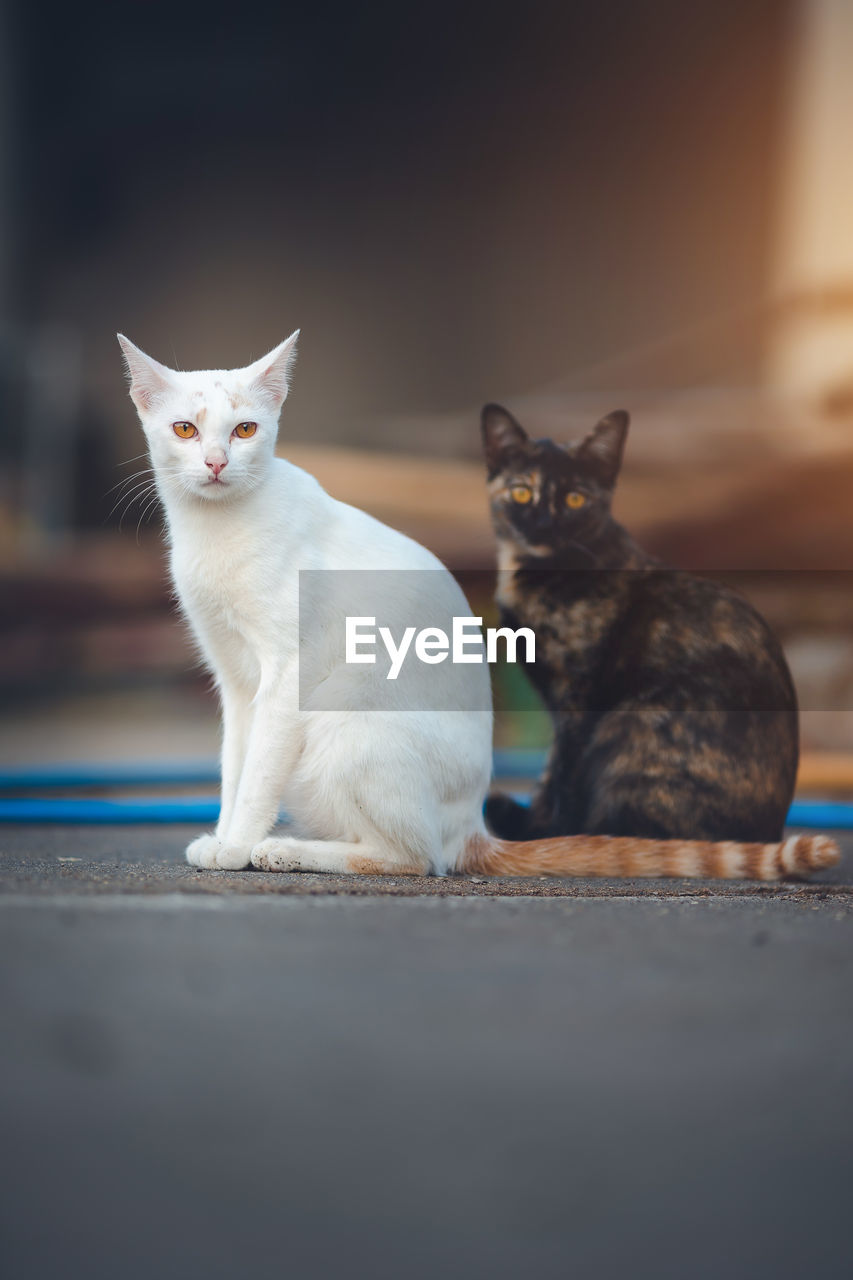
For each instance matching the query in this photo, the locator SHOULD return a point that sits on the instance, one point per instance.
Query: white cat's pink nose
(216, 463)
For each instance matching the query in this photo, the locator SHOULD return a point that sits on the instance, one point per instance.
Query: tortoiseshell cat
(673, 707)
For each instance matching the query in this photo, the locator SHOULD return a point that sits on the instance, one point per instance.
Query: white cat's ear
(503, 437)
(605, 444)
(149, 380)
(271, 374)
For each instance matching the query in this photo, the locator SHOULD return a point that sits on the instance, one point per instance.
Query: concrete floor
(231, 1074)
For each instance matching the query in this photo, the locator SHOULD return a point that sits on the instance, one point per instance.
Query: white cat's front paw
(211, 852)
(201, 852)
(276, 855)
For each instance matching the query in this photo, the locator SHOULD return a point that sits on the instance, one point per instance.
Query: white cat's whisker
(129, 496)
(137, 497)
(129, 486)
(127, 461)
(150, 500)
(151, 505)
(125, 480)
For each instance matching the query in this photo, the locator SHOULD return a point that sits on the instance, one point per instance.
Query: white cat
(378, 783)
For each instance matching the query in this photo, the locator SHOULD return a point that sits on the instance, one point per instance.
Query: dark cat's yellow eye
(245, 430)
(185, 430)
(575, 500)
(521, 493)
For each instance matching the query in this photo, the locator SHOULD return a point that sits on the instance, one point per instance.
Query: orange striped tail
(623, 857)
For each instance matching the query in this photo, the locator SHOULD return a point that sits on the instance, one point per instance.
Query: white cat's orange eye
(521, 493)
(575, 500)
(185, 430)
(245, 430)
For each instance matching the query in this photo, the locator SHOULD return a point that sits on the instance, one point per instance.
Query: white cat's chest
(234, 594)
(219, 588)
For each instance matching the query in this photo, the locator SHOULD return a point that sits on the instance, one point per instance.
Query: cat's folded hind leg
(507, 818)
(544, 816)
(341, 856)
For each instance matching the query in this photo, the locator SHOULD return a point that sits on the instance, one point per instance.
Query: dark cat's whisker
(591, 556)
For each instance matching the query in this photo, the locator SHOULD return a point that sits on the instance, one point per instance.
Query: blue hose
(201, 812)
(154, 773)
(205, 811)
(150, 773)
(822, 814)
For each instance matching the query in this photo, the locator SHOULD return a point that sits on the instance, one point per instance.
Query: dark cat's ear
(503, 437)
(605, 445)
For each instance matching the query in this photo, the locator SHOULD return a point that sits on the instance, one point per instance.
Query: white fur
(401, 788)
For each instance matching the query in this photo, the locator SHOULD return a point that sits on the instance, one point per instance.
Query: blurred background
(567, 207)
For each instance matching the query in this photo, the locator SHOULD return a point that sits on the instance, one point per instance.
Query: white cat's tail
(623, 857)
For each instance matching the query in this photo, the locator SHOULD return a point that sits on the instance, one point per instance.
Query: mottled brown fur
(674, 712)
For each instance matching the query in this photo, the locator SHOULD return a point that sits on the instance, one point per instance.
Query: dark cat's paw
(506, 818)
